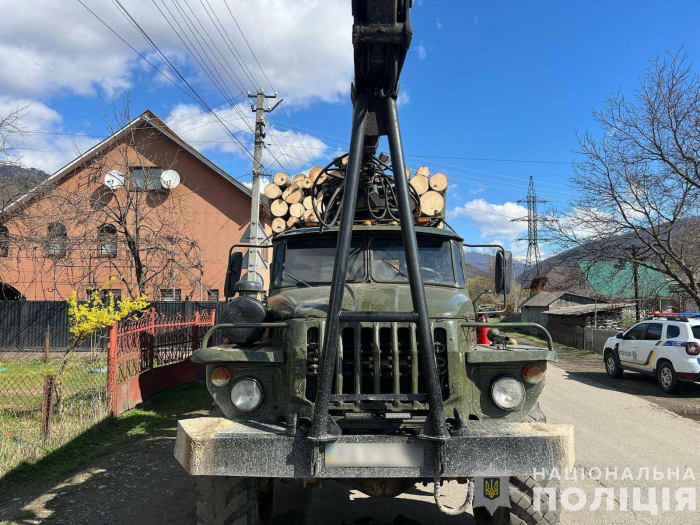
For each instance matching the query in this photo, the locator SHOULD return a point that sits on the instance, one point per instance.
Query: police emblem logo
(492, 488)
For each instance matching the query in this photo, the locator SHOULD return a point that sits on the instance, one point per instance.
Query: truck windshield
(310, 261)
(389, 260)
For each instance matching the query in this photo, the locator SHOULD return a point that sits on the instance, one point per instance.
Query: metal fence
(152, 354)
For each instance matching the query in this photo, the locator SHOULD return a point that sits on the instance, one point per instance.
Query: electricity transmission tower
(255, 238)
(532, 260)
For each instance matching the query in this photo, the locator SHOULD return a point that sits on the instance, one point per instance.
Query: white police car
(665, 345)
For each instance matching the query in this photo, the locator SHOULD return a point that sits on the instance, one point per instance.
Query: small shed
(533, 308)
(567, 324)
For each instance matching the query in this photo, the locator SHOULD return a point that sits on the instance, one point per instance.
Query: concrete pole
(254, 235)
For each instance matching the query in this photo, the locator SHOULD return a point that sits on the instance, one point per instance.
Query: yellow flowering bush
(88, 318)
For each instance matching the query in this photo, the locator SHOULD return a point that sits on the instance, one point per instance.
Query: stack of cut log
(431, 190)
(291, 198)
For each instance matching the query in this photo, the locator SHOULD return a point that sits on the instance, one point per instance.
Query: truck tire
(228, 500)
(522, 510)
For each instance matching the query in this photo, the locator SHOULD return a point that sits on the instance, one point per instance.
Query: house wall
(204, 216)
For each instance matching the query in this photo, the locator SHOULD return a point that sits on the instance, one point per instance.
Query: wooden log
(296, 210)
(273, 191)
(423, 171)
(408, 173)
(305, 183)
(420, 184)
(279, 225)
(315, 172)
(308, 200)
(310, 216)
(293, 194)
(432, 203)
(438, 182)
(279, 208)
(299, 176)
(292, 221)
(281, 179)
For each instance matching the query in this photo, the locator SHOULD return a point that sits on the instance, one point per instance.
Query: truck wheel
(668, 380)
(612, 366)
(228, 500)
(522, 510)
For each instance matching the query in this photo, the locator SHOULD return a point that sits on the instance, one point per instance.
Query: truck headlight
(507, 392)
(246, 395)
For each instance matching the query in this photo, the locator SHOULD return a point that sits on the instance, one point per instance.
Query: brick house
(142, 207)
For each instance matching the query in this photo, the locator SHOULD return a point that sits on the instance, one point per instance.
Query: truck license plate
(374, 454)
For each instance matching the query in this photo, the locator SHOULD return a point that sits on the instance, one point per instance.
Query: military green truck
(265, 385)
(362, 364)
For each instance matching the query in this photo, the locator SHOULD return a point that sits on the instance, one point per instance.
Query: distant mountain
(19, 172)
(482, 263)
(16, 181)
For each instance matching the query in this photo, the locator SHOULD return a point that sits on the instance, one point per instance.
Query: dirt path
(140, 483)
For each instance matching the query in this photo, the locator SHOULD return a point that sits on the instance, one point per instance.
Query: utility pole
(254, 235)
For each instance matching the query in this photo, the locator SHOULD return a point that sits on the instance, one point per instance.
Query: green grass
(157, 413)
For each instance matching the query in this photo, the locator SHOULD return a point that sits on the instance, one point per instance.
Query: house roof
(147, 118)
(581, 309)
(615, 280)
(542, 299)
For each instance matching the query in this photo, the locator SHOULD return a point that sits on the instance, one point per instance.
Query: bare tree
(638, 182)
(12, 136)
(81, 230)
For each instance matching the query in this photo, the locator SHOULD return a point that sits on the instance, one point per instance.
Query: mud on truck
(362, 364)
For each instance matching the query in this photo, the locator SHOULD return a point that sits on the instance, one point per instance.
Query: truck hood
(443, 302)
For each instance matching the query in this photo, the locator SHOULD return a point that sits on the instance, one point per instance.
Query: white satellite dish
(114, 179)
(170, 179)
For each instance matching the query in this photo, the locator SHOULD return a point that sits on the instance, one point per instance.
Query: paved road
(614, 429)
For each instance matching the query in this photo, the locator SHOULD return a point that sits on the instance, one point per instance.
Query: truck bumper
(214, 446)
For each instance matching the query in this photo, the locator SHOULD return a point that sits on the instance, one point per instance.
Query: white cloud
(50, 48)
(204, 132)
(43, 146)
(404, 97)
(494, 222)
(422, 53)
(438, 24)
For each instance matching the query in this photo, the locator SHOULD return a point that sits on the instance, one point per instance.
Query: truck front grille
(376, 362)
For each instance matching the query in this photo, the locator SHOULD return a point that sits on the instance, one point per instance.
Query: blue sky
(506, 80)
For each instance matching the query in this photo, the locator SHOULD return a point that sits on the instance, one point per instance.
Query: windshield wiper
(297, 279)
(396, 268)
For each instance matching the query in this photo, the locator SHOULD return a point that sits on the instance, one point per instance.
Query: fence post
(112, 368)
(47, 406)
(195, 332)
(47, 343)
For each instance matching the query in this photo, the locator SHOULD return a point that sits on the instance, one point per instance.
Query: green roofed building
(615, 280)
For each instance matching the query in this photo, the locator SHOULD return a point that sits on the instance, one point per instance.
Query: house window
(146, 178)
(213, 295)
(171, 294)
(107, 241)
(57, 240)
(104, 294)
(4, 241)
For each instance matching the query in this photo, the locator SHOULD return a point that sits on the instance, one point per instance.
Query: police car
(664, 345)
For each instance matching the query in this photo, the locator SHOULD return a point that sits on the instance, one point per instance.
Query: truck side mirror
(504, 272)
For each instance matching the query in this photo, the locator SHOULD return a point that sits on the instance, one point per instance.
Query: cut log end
(279, 208)
(420, 184)
(296, 210)
(273, 191)
(279, 225)
(438, 182)
(293, 194)
(315, 172)
(281, 179)
(432, 203)
(423, 171)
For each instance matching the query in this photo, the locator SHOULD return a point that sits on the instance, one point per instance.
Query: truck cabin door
(627, 348)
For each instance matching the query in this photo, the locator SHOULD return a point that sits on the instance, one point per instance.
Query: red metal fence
(152, 354)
